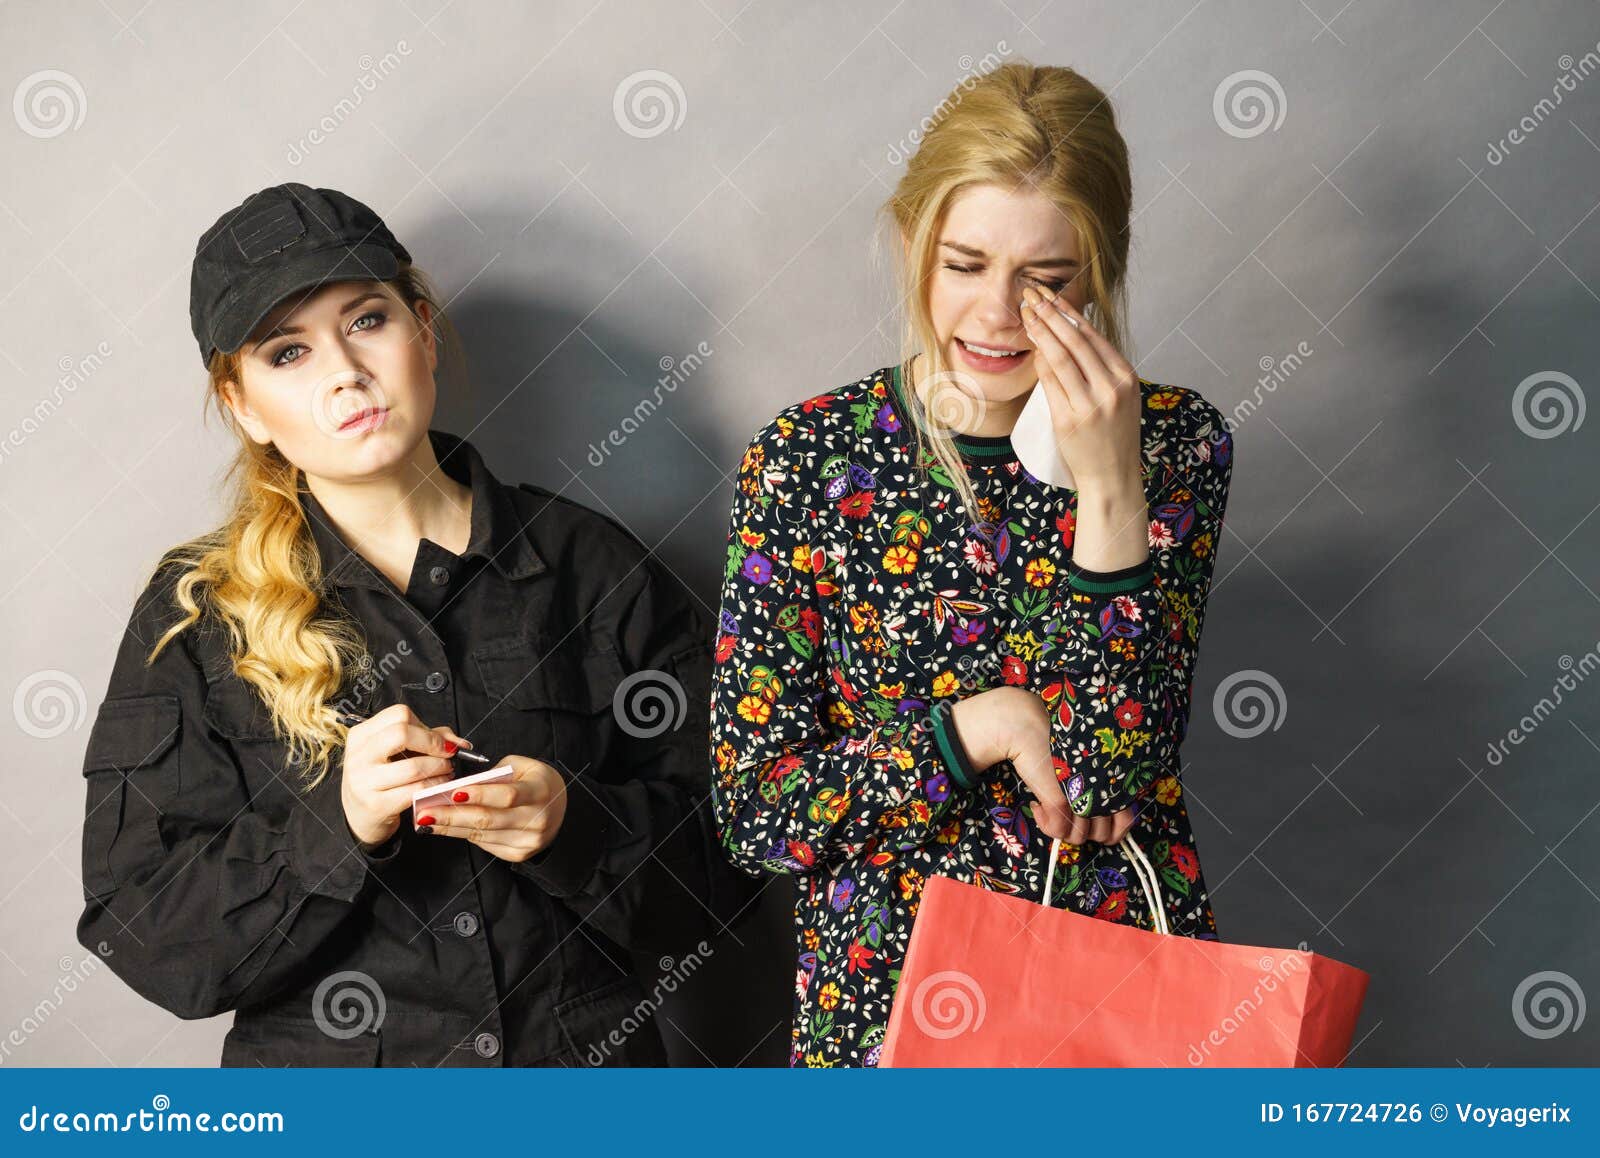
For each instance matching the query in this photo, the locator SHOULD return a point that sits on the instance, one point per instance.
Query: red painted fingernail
(449, 747)
(424, 821)
(459, 797)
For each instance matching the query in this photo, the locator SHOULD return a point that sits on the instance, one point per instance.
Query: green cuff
(1110, 582)
(954, 752)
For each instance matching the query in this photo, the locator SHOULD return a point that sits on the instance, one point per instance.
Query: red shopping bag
(996, 980)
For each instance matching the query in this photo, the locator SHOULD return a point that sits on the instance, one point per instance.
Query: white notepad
(440, 793)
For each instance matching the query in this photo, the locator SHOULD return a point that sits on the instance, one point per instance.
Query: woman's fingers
(1110, 356)
(490, 795)
(1117, 826)
(376, 733)
(424, 741)
(1053, 818)
(395, 801)
(1085, 359)
(1085, 351)
(468, 817)
(1057, 820)
(1038, 773)
(1058, 371)
(409, 772)
(1109, 829)
(397, 737)
(449, 733)
(517, 837)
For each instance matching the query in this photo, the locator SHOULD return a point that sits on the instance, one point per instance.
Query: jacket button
(466, 924)
(436, 681)
(487, 1044)
(440, 576)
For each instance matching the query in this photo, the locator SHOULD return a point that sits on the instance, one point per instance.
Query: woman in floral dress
(930, 662)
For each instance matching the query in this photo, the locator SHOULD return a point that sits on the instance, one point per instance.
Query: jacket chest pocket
(235, 711)
(549, 701)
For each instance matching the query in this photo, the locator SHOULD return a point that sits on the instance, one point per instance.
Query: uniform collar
(498, 533)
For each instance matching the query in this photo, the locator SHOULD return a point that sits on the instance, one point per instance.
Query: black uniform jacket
(218, 884)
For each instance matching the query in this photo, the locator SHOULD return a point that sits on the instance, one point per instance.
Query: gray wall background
(1400, 312)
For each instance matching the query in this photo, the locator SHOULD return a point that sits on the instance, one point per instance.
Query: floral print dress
(859, 604)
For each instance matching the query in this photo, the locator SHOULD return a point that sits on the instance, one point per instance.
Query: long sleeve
(795, 791)
(1119, 687)
(637, 855)
(204, 904)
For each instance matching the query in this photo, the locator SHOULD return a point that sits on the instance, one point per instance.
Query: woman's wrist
(985, 723)
(1113, 527)
(966, 727)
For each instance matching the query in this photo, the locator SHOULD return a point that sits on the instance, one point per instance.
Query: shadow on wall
(1372, 825)
(541, 398)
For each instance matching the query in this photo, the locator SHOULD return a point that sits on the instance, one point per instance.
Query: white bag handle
(1141, 868)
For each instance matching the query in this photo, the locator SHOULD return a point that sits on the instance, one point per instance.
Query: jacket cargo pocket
(613, 1025)
(130, 769)
(550, 702)
(285, 1041)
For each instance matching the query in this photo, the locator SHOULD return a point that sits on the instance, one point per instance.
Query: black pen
(351, 719)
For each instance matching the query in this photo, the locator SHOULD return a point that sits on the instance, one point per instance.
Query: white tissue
(1034, 440)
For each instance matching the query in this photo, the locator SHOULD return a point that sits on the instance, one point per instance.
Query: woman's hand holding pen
(386, 758)
(1011, 723)
(512, 819)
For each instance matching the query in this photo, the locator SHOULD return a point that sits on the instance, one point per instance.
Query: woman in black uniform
(375, 602)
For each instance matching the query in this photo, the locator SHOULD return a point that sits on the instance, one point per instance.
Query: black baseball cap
(286, 239)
